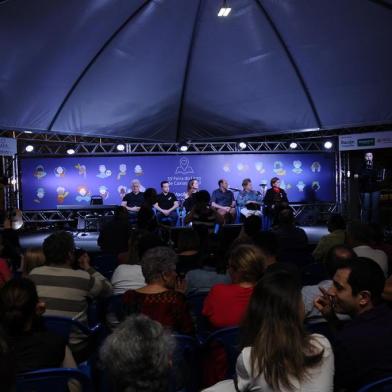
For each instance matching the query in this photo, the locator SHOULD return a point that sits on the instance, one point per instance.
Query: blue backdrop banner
(48, 182)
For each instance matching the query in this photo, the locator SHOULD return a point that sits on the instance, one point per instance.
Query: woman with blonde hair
(226, 304)
(33, 257)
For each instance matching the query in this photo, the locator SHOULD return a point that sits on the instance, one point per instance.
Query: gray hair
(135, 181)
(137, 355)
(157, 261)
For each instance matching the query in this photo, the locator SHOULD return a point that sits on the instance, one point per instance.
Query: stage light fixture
(28, 132)
(29, 148)
(328, 145)
(242, 145)
(120, 147)
(183, 147)
(224, 11)
(293, 145)
(70, 151)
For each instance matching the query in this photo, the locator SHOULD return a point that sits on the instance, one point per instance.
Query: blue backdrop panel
(47, 182)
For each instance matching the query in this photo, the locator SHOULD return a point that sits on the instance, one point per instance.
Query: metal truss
(54, 216)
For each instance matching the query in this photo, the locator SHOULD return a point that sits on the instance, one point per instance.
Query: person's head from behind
(19, 306)
(121, 213)
(267, 241)
(159, 266)
(357, 286)
(252, 225)
(336, 222)
(148, 241)
(150, 196)
(137, 356)
(359, 234)
(202, 198)
(165, 187)
(247, 184)
(286, 218)
(246, 264)
(336, 256)
(188, 241)
(33, 257)
(59, 248)
(273, 328)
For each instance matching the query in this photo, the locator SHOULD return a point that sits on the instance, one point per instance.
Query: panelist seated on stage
(222, 200)
(192, 189)
(167, 205)
(248, 200)
(133, 201)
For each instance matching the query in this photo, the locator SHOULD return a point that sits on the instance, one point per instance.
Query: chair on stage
(53, 379)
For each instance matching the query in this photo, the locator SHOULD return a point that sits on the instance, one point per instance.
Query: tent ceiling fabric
(171, 70)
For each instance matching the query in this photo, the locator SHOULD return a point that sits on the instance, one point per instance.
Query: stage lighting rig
(29, 148)
(183, 147)
(70, 151)
(120, 147)
(224, 11)
(293, 145)
(242, 145)
(328, 145)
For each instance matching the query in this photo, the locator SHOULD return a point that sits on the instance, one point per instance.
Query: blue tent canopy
(172, 70)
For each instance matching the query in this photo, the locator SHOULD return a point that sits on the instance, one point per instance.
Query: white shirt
(320, 377)
(379, 256)
(126, 277)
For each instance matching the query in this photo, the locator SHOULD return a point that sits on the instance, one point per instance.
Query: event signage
(7, 146)
(365, 141)
(48, 182)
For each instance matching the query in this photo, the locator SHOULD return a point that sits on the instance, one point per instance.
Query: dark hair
(202, 197)
(336, 222)
(188, 240)
(336, 256)
(18, 301)
(286, 217)
(273, 180)
(7, 365)
(246, 181)
(252, 225)
(79, 252)
(164, 182)
(359, 232)
(267, 241)
(120, 213)
(220, 182)
(58, 247)
(273, 328)
(365, 275)
(190, 183)
(150, 196)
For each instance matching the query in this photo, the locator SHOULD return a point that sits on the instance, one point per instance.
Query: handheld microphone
(235, 189)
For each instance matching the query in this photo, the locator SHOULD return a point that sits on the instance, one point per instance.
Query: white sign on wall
(365, 141)
(7, 146)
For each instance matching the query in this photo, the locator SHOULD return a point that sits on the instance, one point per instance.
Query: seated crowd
(308, 318)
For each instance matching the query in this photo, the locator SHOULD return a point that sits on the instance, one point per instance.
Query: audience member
(65, 290)
(138, 356)
(359, 237)
(32, 258)
(363, 346)
(113, 236)
(292, 240)
(5, 271)
(7, 365)
(225, 304)
(146, 218)
(336, 226)
(162, 298)
(33, 347)
(188, 250)
(278, 354)
(335, 257)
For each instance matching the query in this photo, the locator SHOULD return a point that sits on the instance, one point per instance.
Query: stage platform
(88, 240)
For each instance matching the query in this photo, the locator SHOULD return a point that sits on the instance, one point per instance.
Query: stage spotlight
(120, 147)
(328, 145)
(224, 11)
(29, 148)
(27, 132)
(183, 147)
(70, 151)
(242, 145)
(293, 145)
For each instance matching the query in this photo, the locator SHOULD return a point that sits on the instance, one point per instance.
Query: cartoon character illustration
(316, 167)
(260, 167)
(39, 195)
(103, 172)
(122, 171)
(83, 194)
(279, 168)
(138, 170)
(39, 172)
(59, 171)
(300, 185)
(283, 185)
(104, 192)
(316, 186)
(297, 167)
(61, 194)
(122, 191)
(242, 167)
(82, 170)
(185, 167)
(226, 167)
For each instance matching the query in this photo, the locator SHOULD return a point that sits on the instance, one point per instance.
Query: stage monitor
(48, 182)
